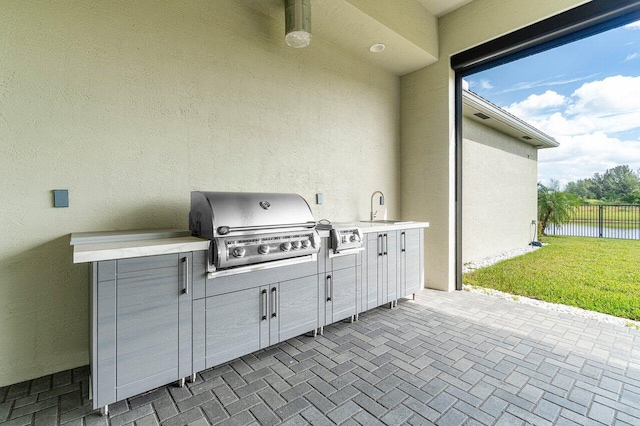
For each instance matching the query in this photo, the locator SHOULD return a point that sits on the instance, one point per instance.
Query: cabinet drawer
(222, 285)
(147, 263)
(344, 262)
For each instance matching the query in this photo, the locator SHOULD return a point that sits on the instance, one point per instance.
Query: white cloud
(608, 106)
(583, 124)
(555, 81)
(632, 56)
(535, 105)
(485, 84)
(633, 26)
(581, 156)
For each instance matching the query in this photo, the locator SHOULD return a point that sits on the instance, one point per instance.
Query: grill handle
(225, 230)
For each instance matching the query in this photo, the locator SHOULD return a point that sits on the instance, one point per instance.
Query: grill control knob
(286, 246)
(263, 249)
(295, 245)
(306, 243)
(238, 252)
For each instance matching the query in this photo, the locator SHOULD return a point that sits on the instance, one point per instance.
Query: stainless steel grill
(251, 231)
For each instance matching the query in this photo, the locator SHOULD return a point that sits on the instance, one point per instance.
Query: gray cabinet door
(343, 293)
(370, 280)
(235, 323)
(149, 308)
(297, 308)
(413, 248)
(391, 264)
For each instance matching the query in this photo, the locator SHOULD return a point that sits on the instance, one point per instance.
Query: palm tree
(554, 206)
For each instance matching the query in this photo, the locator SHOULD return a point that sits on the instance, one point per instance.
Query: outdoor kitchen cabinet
(380, 283)
(338, 285)
(141, 319)
(411, 266)
(247, 312)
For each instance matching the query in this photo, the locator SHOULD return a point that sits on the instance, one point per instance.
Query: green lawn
(598, 274)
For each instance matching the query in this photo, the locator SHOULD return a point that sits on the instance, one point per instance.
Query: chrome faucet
(373, 214)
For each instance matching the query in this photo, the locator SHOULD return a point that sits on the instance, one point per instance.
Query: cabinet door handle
(185, 275)
(404, 241)
(274, 301)
(329, 288)
(379, 244)
(263, 305)
(386, 244)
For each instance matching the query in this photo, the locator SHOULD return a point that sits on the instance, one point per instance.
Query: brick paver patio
(446, 358)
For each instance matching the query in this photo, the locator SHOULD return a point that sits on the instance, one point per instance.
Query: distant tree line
(620, 184)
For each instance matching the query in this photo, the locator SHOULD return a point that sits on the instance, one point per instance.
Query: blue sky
(585, 94)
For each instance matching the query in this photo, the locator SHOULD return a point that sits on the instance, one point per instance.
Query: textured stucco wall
(427, 123)
(499, 195)
(131, 105)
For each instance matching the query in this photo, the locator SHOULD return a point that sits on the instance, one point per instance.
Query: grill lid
(216, 214)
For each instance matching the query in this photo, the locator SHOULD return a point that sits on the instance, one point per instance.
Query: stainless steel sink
(392, 222)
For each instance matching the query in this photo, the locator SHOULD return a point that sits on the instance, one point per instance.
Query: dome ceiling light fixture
(297, 15)
(377, 48)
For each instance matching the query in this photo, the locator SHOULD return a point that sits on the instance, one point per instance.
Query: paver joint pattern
(445, 359)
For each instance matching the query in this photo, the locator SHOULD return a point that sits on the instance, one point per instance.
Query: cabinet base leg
(181, 382)
(104, 411)
(315, 332)
(192, 378)
(414, 296)
(357, 317)
(353, 318)
(395, 303)
(322, 331)
(391, 305)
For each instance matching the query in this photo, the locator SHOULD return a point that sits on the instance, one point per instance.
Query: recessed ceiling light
(376, 48)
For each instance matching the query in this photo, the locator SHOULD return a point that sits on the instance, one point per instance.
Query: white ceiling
(343, 24)
(439, 8)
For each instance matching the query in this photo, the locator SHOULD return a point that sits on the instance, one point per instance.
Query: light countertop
(381, 226)
(96, 246)
(109, 245)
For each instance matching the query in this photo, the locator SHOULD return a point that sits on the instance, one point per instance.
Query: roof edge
(475, 101)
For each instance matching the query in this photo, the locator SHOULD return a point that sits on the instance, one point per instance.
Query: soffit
(441, 7)
(408, 30)
(503, 121)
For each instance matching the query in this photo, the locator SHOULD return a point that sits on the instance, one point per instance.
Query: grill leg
(104, 411)
(181, 382)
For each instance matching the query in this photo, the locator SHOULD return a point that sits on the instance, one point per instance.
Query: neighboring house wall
(427, 122)
(499, 195)
(132, 105)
